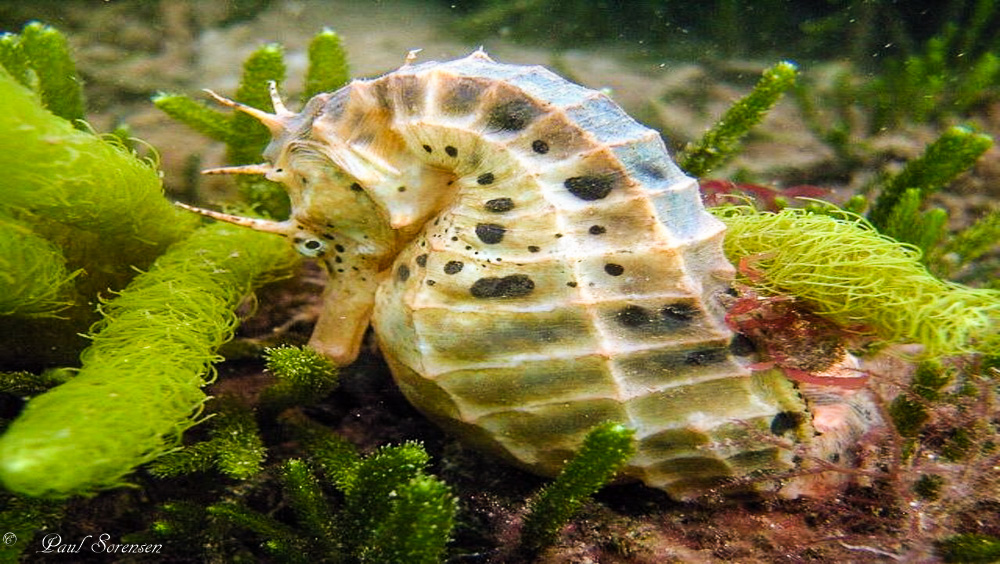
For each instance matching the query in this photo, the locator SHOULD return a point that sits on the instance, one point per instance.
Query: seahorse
(533, 264)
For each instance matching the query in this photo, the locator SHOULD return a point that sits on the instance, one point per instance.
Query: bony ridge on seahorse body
(534, 264)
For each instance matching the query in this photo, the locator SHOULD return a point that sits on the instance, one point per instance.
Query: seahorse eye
(310, 246)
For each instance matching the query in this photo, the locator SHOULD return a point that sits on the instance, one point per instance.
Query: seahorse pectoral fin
(347, 310)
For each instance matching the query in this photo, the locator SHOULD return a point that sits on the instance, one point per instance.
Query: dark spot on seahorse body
(422, 260)
(454, 238)
(539, 146)
(571, 284)
(633, 316)
(485, 178)
(512, 115)
(428, 149)
(784, 422)
(666, 320)
(533, 249)
(462, 97)
(401, 189)
(513, 286)
(326, 236)
(431, 282)
(589, 188)
(453, 267)
(741, 345)
(451, 151)
(490, 233)
(337, 259)
(704, 357)
(356, 187)
(614, 269)
(499, 205)
(597, 230)
(339, 248)
(403, 273)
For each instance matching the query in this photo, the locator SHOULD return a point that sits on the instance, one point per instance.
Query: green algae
(843, 269)
(99, 207)
(328, 69)
(244, 136)
(34, 280)
(722, 142)
(140, 383)
(605, 450)
(234, 447)
(53, 171)
(304, 377)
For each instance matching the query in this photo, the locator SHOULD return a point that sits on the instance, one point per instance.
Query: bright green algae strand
(99, 206)
(52, 170)
(34, 280)
(845, 270)
(140, 382)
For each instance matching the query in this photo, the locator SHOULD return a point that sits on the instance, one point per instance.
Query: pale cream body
(534, 264)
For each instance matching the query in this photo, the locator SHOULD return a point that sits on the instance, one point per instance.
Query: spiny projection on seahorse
(533, 263)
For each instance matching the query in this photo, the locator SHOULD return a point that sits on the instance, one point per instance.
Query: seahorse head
(332, 217)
